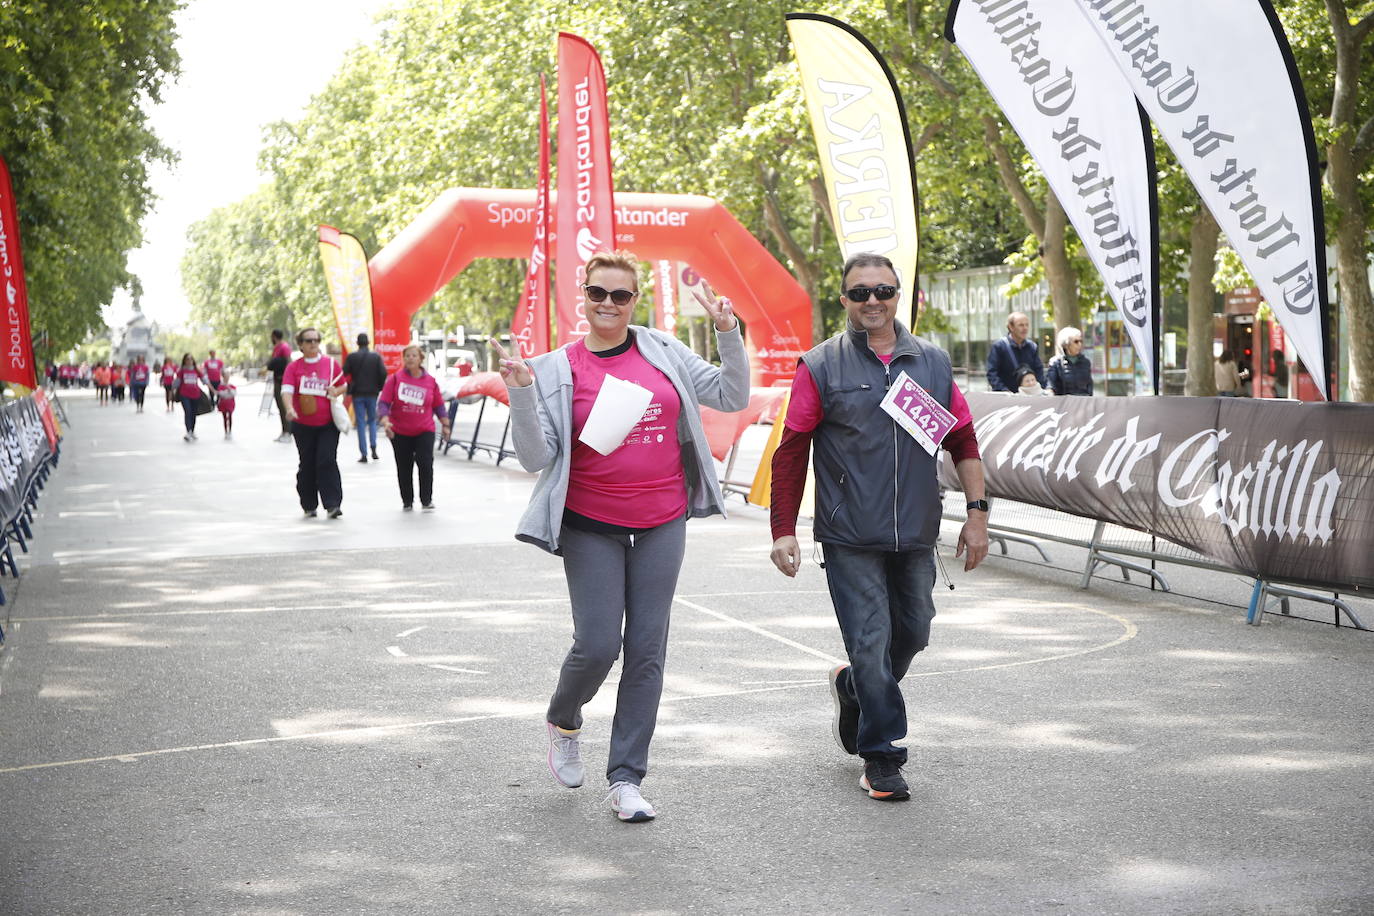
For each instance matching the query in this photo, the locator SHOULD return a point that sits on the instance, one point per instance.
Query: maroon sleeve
(961, 442)
(789, 481)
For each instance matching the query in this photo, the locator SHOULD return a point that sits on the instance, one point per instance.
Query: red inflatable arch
(468, 223)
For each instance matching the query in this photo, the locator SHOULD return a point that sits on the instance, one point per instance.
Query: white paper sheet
(618, 407)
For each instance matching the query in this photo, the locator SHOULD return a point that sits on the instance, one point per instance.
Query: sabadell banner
(1274, 490)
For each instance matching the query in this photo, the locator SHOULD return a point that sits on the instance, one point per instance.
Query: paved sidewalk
(211, 705)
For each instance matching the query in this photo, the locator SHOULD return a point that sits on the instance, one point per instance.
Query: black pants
(281, 404)
(411, 451)
(317, 477)
(138, 394)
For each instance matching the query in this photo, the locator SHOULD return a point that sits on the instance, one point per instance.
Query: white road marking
(396, 651)
(228, 610)
(412, 630)
(762, 632)
(459, 670)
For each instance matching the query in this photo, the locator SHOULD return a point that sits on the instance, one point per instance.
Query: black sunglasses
(306, 340)
(618, 296)
(861, 293)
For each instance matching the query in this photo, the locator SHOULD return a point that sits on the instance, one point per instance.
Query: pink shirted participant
(409, 404)
(188, 392)
(227, 395)
(306, 387)
(641, 484)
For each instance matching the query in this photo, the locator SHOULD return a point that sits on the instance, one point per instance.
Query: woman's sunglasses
(618, 296)
(861, 293)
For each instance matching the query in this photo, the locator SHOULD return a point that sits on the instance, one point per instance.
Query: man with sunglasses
(877, 512)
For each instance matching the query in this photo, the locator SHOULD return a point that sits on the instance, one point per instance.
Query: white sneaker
(628, 804)
(565, 757)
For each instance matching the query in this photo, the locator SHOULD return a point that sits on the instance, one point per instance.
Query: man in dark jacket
(1010, 353)
(366, 374)
(877, 505)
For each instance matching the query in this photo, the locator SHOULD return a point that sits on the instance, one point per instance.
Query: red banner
(530, 327)
(586, 212)
(16, 364)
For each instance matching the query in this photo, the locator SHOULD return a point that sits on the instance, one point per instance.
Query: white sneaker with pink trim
(565, 757)
(628, 804)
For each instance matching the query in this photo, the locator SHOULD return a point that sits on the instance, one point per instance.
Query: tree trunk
(1345, 158)
(1059, 274)
(1202, 382)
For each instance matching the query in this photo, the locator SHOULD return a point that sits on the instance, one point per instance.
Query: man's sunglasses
(618, 296)
(306, 340)
(861, 293)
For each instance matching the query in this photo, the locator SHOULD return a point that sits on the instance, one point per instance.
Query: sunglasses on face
(884, 292)
(618, 296)
(306, 340)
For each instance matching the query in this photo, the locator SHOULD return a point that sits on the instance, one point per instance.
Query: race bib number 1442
(917, 412)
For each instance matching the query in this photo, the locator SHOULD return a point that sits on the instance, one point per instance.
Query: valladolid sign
(1276, 491)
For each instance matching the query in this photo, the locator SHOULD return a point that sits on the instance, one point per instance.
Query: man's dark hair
(864, 259)
(362, 340)
(278, 334)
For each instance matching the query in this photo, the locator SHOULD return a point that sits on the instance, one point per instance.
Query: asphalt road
(211, 705)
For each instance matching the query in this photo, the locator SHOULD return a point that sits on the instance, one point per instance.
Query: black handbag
(203, 404)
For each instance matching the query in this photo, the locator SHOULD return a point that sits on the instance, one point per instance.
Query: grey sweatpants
(616, 579)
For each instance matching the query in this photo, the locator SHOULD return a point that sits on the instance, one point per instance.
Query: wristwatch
(980, 504)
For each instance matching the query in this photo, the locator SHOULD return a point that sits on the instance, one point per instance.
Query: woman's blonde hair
(620, 259)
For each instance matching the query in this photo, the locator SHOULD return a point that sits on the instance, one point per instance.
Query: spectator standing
(410, 403)
(307, 385)
(214, 373)
(225, 401)
(366, 374)
(139, 376)
(1009, 353)
(276, 364)
(188, 391)
(1227, 376)
(1070, 372)
(877, 514)
(618, 518)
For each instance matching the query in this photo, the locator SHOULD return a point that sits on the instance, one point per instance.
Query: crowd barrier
(30, 446)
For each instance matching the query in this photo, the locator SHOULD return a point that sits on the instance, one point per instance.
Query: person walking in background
(101, 376)
(226, 397)
(1009, 353)
(276, 364)
(188, 391)
(366, 374)
(118, 376)
(307, 385)
(410, 403)
(877, 513)
(214, 373)
(617, 512)
(1280, 373)
(1070, 372)
(1227, 376)
(139, 376)
(169, 382)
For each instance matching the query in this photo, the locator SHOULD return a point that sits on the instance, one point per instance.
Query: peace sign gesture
(515, 372)
(721, 310)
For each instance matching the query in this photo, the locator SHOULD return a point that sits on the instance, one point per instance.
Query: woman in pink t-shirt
(409, 404)
(188, 391)
(169, 383)
(226, 398)
(306, 387)
(616, 511)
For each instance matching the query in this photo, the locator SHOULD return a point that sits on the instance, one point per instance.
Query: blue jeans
(883, 603)
(365, 415)
(189, 406)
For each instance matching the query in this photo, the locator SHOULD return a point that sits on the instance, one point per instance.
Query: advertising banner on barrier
(530, 326)
(17, 362)
(585, 204)
(1220, 83)
(350, 287)
(1078, 118)
(1280, 491)
(23, 448)
(864, 144)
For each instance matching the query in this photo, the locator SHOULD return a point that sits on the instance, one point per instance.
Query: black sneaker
(362, 460)
(882, 779)
(845, 726)
(309, 513)
(407, 507)
(428, 507)
(374, 455)
(335, 512)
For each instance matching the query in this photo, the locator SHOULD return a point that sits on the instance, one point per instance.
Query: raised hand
(515, 372)
(721, 310)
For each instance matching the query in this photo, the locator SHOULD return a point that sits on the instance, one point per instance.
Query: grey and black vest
(875, 486)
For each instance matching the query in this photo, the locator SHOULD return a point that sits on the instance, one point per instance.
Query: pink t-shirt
(139, 375)
(804, 412)
(169, 376)
(641, 484)
(281, 349)
(213, 368)
(306, 383)
(226, 393)
(190, 382)
(411, 403)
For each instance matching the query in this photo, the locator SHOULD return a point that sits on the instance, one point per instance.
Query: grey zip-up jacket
(875, 487)
(541, 423)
